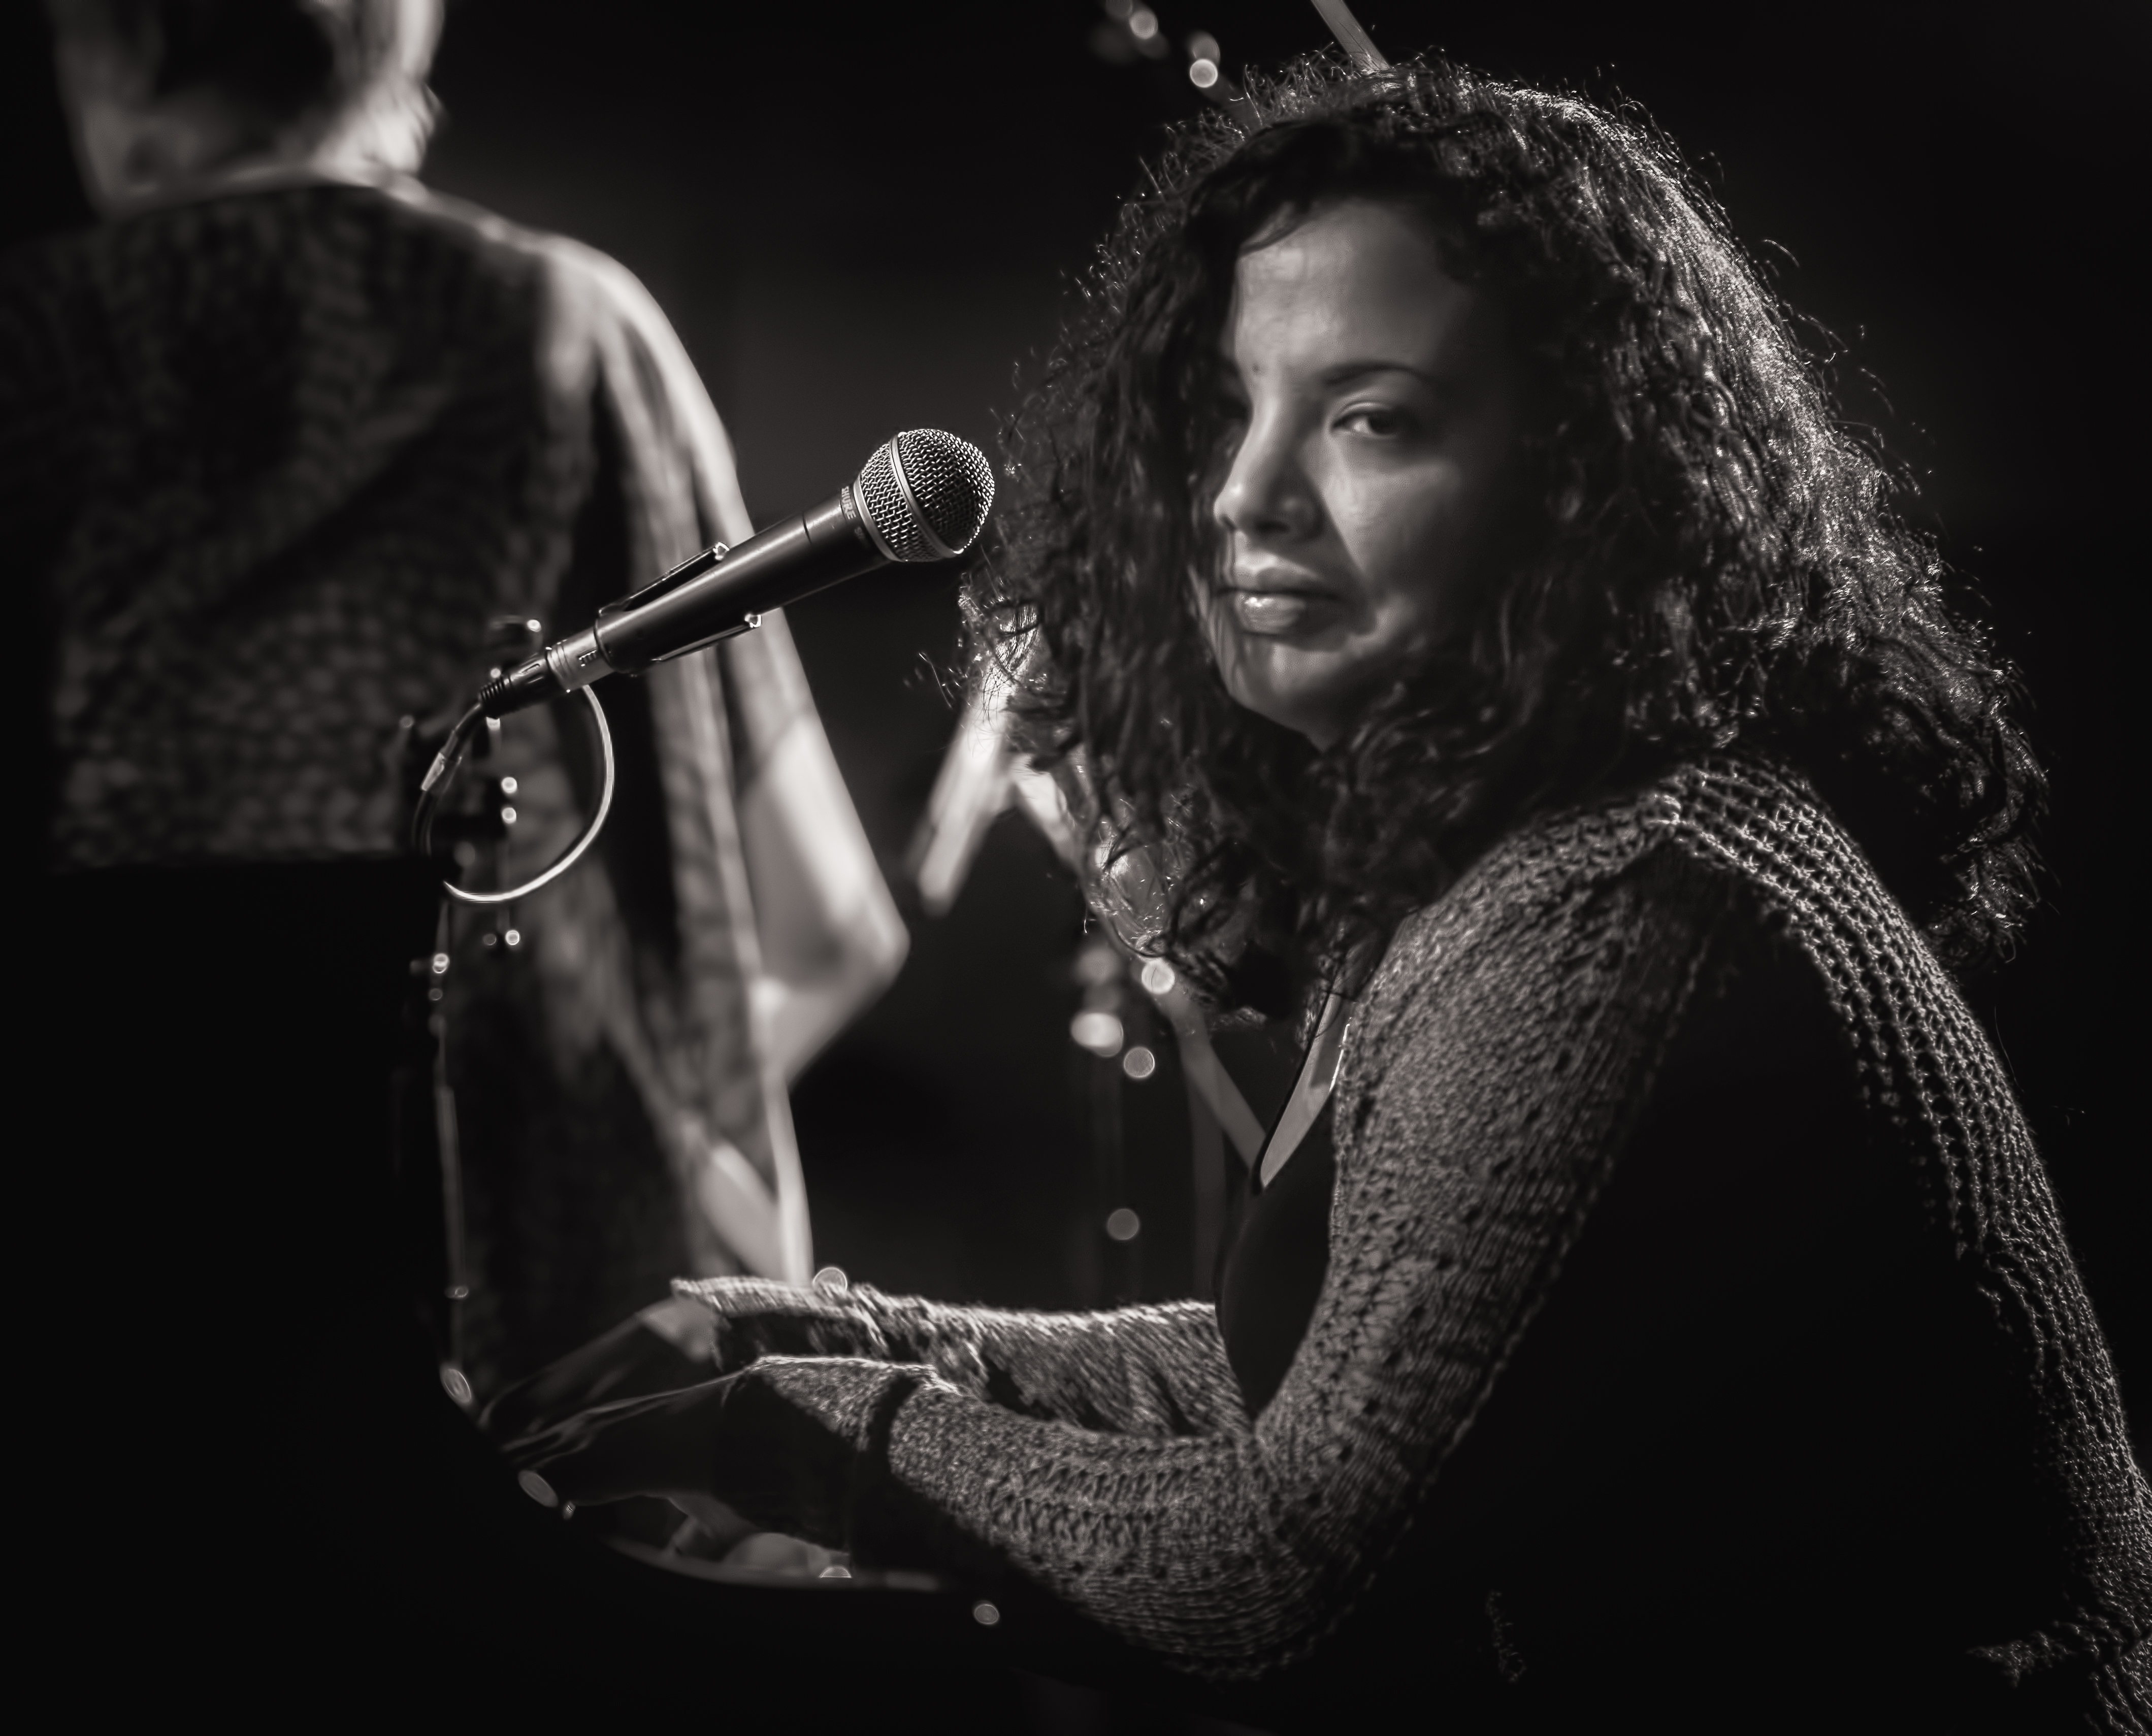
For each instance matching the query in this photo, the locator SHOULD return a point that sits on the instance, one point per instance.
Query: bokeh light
(1100, 1032)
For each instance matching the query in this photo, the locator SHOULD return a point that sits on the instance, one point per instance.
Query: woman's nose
(1266, 492)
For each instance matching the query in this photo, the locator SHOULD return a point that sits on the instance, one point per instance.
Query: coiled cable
(442, 773)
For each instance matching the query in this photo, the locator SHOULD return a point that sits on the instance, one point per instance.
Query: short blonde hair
(322, 67)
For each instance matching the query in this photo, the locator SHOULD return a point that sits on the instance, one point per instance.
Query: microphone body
(707, 597)
(923, 496)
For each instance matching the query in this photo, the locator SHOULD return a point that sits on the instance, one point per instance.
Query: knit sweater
(269, 463)
(1504, 1056)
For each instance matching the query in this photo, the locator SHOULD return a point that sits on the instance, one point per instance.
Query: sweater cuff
(756, 1318)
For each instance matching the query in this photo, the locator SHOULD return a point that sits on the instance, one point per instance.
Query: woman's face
(1370, 410)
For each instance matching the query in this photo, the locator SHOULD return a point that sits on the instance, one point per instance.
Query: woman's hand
(657, 1350)
(665, 1445)
(733, 1440)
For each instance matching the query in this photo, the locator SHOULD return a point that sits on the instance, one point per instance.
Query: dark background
(860, 218)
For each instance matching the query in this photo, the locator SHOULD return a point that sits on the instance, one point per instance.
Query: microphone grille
(927, 493)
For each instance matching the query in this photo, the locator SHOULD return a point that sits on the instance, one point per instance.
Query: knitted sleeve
(1508, 1043)
(1147, 1371)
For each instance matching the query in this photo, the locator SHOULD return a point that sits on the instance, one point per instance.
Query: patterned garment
(1505, 1058)
(293, 468)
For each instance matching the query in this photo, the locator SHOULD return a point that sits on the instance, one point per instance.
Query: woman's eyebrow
(1342, 371)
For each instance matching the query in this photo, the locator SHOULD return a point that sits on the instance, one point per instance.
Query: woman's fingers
(664, 1445)
(630, 1361)
(732, 1438)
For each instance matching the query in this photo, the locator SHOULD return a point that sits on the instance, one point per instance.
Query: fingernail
(537, 1488)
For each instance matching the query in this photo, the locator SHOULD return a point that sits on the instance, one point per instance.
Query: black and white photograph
(1107, 868)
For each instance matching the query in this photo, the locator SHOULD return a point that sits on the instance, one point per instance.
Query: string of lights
(1135, 31)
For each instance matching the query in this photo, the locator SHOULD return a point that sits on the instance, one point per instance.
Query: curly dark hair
(1696, 554)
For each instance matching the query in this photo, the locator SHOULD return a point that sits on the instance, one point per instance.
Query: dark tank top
(1272, 1266)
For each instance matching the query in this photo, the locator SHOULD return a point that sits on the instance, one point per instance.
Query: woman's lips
(1270, 611)
(1284, 604)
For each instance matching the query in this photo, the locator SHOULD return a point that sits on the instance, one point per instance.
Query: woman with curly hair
(1446, 592)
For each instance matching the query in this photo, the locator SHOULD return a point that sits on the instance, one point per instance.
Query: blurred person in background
(1477, 639)
(297, 451)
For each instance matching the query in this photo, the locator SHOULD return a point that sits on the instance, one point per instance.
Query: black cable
(439, 776)
(442, 773)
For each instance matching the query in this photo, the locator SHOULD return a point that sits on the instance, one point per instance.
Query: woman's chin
(1309, 679)
(1317, 717)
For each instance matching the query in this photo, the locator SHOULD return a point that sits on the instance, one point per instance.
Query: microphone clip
(693, 567)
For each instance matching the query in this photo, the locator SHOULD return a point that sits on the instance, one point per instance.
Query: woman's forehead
(1356, 282)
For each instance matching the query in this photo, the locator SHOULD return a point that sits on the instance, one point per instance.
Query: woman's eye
(1381, 421)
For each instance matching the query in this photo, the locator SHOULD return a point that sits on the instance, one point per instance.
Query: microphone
(923, 496)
